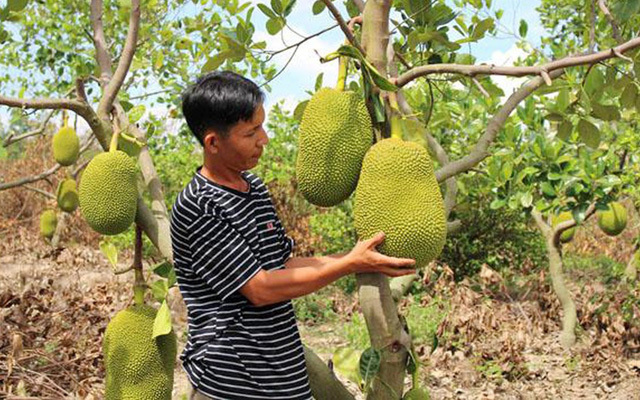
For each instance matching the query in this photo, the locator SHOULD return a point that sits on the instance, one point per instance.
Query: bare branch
(40, 191)
(343, 25)
(43, 175)
(614, 25)
(39, 130)
(480, 87)
(592, 26)
(80, 92)
(112, 88)
(544, 227)
(100, 42)
(484, 69)
(481, 149)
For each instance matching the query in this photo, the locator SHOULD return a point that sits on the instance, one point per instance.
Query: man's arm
(297, 262)
(269, 287)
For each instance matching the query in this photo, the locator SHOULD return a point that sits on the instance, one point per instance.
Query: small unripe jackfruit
(137, 366)
(398, 194)
(613, 220)
(567, 234)
(108, 193)
(48, 223)
(66, 146)
(335, 134)
(417, 394)
(67, 195)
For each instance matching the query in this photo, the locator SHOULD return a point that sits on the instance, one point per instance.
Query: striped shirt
(222, 238)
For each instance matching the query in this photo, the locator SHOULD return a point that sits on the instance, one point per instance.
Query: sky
(299, 76)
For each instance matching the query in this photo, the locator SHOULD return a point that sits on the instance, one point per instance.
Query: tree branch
(614, 25)
(49, 172)
(100, 42)
(113, 87)
(481, 149)
(343, 25)
(541, 70)
(39, 130)
(324, 384)
(563, 226)
(359, 4)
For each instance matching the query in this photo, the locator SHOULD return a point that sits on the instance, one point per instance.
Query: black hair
(218, 101)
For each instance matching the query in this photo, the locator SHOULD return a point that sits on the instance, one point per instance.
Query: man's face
(242, 148)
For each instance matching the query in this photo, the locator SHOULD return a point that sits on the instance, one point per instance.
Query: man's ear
(210, 142)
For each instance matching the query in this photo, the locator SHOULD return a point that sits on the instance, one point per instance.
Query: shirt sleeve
(221, 256)
(288, 246)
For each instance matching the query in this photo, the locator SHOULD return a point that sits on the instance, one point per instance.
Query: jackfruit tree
(412, 72)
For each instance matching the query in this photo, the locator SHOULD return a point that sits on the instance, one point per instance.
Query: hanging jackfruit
(335, 134)
(108, 193)
(67, 195)
(137, 366)
(613, 220)
(398, 194)
(48, 223)
(66, 146)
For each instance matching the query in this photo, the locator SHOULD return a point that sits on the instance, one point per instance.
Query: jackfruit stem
(396, 116)
(139, 285)
(343, 71)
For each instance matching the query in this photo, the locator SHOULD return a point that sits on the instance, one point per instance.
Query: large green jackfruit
(48, 223)
(66, 146)
(398, 194)
(108, 193)
(613, 220)
(67, 195)
(335, 134)
(137, 366)
(567, 234)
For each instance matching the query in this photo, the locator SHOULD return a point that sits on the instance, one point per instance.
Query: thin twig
(614, 25)
(343, 25)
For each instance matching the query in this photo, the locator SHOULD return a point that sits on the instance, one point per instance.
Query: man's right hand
(365, 258)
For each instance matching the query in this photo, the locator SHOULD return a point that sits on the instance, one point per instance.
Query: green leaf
(289, 7)
(163, 269)
(216, 61)
(628, 96)
(605, 113)
(129, 144)
(526, 200)
(318, 7)
(274, 25)
(370, 363)
(548, 189)
(346, 362)
(267, 11)
(497, 203)
(162, 323)
(594, 83)
(565, 128)
(110, 251)
(136, 113)
(589, 133)
(482, 27)
(562, 100)
(373, 74)
(299, 111)
(623, 10)
(555, 117)
(159, 289)
(16, 5)
(276, 5)
(522, 29)
(318, 84)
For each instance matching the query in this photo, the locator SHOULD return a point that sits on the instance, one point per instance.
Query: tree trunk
(324, 384)
(569, 317)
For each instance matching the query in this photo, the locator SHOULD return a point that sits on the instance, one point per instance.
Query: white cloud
(508, 58)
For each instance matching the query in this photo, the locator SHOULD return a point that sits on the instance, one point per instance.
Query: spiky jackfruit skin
(567, 234)
(613, 220)
(137, 366)
(108, 193)
(66, 146)
(67, 195)
(398, 194)
(48, 223)
(335, 134)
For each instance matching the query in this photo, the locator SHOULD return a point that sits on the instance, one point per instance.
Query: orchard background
(506, 311)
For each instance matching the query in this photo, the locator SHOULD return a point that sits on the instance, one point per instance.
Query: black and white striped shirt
(221, 238)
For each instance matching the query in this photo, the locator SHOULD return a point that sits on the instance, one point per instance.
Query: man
(232, 256)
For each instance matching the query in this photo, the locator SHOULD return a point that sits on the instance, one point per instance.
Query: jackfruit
(108, 192)
(398, 194)
(67, 195)
(66, 146)
(137, 366)
(567, 234)
(613, 220)
(417, 394)
(335, 134)
(48, 223)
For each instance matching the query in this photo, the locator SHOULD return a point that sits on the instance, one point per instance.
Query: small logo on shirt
(269, 226)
